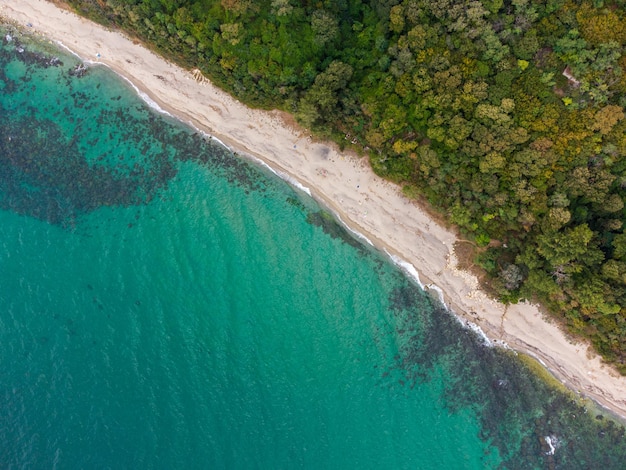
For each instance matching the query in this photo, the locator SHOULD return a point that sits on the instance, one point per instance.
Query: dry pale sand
(345, 183)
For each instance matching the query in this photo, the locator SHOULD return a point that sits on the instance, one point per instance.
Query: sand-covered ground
(343, 182)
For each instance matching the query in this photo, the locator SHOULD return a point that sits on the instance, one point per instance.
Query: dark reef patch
(56, 162)
(327, 222)
(14, 48)
(45, 176)
(516, 407)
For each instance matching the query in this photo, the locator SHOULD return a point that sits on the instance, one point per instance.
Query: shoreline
(346, 185)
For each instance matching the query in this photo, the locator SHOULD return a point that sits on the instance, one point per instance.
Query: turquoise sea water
(165, 304)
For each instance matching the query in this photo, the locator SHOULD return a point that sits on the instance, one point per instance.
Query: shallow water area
(165, 304)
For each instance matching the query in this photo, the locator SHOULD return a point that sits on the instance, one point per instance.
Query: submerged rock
(79, 70)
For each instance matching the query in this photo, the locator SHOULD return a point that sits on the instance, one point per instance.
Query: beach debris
(353, 140)
(567, 73)
(8, 38)
(198, 76)
(79, 70)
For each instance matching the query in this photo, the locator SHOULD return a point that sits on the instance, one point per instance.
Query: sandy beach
(366, 203)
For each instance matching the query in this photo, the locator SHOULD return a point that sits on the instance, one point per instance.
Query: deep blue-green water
(166, 304)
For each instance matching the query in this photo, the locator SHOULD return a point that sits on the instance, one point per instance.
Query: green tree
(325, 27)
(570, 248)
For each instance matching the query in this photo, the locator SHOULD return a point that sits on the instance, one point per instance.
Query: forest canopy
(506, 116)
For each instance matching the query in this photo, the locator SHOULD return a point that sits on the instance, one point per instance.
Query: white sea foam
(407, 267)
(479, 332)
(284, 176)
(490, 343)
(439, 293)
(295, 183)
(212, 137)
(208, 136)
(354, 232)
(68, 49)
(149, 101)
(553, 443)
(299, 185)
(410, 270)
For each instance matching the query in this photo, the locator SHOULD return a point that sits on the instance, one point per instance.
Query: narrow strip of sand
(345, 184)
